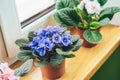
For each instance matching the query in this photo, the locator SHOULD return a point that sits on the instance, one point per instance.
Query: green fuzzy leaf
(67, 48)
(31, 35)
(25, 55)
(61, 52)
(67, 16)
(58, 19)
(77, 45)
(75, 38)
(56, 60)
(104, 21)
(25, 48)
(96, 25)
(102, 2)
(22, 42)
(41, 63)
(92, 36)
(69, 56)
(109, 12)
(66, 3)
(24, 69)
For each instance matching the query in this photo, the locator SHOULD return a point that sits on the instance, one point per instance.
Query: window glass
(28, 8)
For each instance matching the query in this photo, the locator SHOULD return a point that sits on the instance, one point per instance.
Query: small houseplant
(87, 15)
(6, 73)
(48, 47)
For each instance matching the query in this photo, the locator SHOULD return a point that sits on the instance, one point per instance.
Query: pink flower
(92, 7)
(81, 4)
(6, 73)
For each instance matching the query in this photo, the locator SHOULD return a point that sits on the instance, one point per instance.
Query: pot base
(53, 73)
(85, 43)
(77, 31)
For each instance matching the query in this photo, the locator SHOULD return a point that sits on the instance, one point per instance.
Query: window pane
(28, 8)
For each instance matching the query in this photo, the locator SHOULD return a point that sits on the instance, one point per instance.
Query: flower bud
(95, 17)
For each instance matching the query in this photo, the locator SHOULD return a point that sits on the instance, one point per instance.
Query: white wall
(116, 18)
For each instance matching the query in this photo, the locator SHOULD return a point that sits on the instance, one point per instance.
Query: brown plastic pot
(77, 31)
(52, 73)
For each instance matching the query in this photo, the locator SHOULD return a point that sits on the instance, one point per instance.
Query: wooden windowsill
(87, 60)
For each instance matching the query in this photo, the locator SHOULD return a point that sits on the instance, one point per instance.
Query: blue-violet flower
(66, 39)
(56, 38)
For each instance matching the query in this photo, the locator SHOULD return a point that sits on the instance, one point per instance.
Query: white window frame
(11, 27)
(29, 8)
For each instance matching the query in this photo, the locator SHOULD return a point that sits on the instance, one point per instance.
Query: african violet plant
(47, 46)
(85, 14)
(6, 73)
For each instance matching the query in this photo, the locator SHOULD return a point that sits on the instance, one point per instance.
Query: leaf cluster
(67, 14)
(55, 58)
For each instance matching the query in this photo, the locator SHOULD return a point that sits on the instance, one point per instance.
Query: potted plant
(7, 73)
(48, 48)
(87, 16)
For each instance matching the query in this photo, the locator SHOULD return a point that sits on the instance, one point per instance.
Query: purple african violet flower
(56, 29)
(34, 43)
(66, 39)
(56, 38)
(60, 44)
(48, 38)
(41, 50)
(44, 33)
(48, 44)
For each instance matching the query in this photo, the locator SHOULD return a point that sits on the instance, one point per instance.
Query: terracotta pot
(53, 73)
(73, 30)
(85, 43)
(77, 31)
